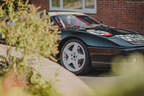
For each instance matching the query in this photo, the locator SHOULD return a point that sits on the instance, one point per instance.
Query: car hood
(120, 36)
(112, 30)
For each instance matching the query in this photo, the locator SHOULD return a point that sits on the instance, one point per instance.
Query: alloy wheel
(73, 56)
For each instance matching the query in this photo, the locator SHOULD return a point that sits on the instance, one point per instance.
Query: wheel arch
(68, 38)
(87, 63)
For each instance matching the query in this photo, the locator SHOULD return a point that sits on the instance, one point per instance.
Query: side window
(56, 22)
(53, 21)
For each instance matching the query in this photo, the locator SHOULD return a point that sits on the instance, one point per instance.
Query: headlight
(99, 32)
(135, 38)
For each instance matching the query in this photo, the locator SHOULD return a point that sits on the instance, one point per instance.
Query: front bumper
(105, 56)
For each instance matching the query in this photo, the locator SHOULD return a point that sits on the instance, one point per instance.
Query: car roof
(65, 13)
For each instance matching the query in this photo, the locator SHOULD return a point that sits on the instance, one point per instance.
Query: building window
(86, 6)
(56, 3)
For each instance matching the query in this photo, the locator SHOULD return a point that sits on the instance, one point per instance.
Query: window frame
(84, 9)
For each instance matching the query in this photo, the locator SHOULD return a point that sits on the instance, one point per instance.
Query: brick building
(127, 14)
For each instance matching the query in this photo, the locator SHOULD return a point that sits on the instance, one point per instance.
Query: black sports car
(86, 42)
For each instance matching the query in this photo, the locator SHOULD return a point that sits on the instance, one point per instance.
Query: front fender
(89, 39)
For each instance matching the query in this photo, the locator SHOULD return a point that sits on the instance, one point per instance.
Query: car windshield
(75, 21)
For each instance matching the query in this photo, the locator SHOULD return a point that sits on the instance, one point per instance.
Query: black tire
(87, 65)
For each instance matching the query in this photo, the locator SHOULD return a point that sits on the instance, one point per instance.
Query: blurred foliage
(18, 92)
(40, 87)
(37, 86)
(5, 5)
(129, 80)
(23, 28)
(14, 92)
(27, 31)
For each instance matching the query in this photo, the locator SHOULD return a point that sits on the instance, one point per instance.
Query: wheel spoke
(68, 61)
(80, 56)
(68, 52)
(75, 64)
(75, 48)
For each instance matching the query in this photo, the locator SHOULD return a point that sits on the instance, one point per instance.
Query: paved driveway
(95, 79)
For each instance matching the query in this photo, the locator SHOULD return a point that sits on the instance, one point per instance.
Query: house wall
(43, 4)
(127, 14)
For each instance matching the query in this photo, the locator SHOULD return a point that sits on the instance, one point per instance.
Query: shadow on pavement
(99, 73)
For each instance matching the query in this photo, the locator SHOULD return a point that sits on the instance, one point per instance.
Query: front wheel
(74, 57)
